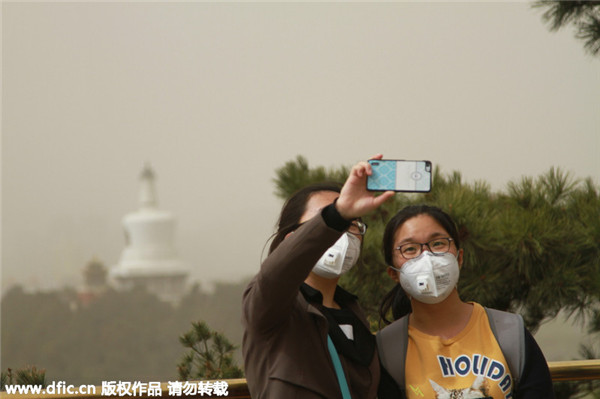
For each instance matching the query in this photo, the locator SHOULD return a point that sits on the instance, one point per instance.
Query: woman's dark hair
(294, 208)
(397, 299)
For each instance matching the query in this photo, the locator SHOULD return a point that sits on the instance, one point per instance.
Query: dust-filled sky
(217, 96)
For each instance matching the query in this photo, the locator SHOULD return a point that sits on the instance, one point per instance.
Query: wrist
(334, 219)
(342, 210)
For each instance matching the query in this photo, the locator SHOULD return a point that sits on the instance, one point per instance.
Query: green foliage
(534, 249)
(296, 174)
(591, 389)
(29, 375)
(566, 389)
(210, 356)
(583, 15)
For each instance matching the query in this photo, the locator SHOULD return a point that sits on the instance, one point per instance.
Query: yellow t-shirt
(469, 365)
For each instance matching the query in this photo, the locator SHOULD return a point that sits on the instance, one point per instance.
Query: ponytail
(398, 302)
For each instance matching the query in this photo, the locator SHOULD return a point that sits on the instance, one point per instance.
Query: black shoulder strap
(509, 330)
(392, 344)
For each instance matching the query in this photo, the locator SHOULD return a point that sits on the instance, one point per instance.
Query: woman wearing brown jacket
(293, 307)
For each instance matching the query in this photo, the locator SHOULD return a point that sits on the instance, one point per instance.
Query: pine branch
(210, 354)
(583, 15)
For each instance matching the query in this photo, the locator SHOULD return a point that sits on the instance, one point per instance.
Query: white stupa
(150, 258)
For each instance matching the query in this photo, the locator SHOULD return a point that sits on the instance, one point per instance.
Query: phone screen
(399, 175)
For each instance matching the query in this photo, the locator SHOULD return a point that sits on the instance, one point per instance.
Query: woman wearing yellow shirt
(440, 346)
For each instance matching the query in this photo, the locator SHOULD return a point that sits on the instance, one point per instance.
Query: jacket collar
(314, 296)
(341, 296)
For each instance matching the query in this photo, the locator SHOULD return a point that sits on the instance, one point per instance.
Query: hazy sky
(217, 96)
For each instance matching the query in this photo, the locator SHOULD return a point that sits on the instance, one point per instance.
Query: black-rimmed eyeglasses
(413, 249)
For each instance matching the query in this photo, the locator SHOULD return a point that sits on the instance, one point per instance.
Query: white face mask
(429, 278)
(339, 258)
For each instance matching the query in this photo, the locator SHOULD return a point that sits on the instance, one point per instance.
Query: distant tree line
(119, 336)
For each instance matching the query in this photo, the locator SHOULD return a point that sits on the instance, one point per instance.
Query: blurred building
(149, 258)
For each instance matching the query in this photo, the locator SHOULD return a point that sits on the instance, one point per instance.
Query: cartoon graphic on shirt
(477, 390)
(470, 365)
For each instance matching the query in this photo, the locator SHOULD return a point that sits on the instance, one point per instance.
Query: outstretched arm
(268, 299)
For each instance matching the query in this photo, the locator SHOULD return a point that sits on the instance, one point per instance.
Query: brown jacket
(285, 337)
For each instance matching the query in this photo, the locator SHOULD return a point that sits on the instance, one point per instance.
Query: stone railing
(575, 370)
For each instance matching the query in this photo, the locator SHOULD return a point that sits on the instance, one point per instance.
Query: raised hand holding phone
(355, 200)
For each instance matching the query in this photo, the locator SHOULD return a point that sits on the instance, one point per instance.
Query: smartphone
(399, 175)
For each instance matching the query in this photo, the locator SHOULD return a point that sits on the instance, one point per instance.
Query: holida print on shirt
(480, 366)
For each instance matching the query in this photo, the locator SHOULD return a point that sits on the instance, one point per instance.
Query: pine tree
(210, 356)
(583, 15)
(29, 375)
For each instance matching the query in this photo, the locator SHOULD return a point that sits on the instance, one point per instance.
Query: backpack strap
(339, 371)
(392, 344)
(509, 331)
